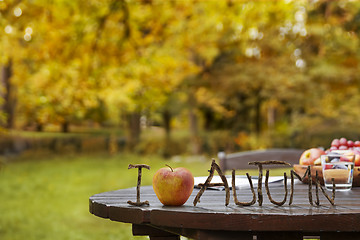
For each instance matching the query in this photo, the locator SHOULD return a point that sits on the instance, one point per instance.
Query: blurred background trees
(235, 75)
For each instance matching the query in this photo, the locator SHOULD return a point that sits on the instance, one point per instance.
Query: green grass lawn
(47, 197)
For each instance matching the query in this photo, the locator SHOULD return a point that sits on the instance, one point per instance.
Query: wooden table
(211, 219)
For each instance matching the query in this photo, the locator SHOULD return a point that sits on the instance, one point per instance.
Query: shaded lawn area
(47, 197)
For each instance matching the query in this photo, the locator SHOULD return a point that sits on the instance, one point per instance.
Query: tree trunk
(258, 116)
(271, 113)
(208, 119)
(8, 96)
(39, 127)
(134, 130)
(65, 127)
(195, 141)
(166, 115)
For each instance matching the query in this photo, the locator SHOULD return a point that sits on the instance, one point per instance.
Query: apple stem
(170, 167)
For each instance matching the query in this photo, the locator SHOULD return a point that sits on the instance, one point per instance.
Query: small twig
(204, 186)
(260, 167)
(259, 188)
(332, 199)
(270, 162)
(292, 187)
(268, 191)
(207, 183)
(237, 202)
(297, 175)
(317, 201)
(310, 185)
(226, 185)
(293, 173)
(210, 185)
(306, 174)
(138, 204)
(139, 167)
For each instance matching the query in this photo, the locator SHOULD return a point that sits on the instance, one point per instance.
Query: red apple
(328, 166)
(343, 141)
(173, 187)
(357, 156)
(357, 160)
(335, 143)
(309, 156)
(348, 157)
(342, 147)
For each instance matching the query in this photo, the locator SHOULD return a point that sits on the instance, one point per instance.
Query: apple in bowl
(351, 155)
(308, 157)
(342, 146)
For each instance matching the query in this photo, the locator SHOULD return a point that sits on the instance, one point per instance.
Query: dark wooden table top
(210, 217)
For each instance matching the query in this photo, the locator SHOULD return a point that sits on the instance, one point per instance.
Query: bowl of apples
(311, 157)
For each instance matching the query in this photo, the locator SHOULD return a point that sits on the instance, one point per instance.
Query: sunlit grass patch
(47, 198)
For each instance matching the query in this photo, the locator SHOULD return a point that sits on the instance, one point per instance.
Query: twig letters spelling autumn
(215, 167)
